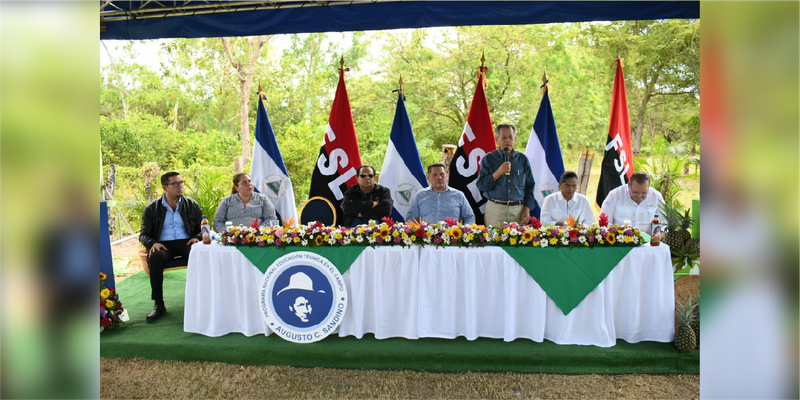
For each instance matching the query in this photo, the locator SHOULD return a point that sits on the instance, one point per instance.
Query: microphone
(505, 154)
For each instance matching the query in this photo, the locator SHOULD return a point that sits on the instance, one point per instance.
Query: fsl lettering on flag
(268, 170)
(476, 140)
(617, 164)
(544, 153)
(402, 171)
(339, 157)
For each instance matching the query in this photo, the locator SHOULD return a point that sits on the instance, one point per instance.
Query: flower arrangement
(110, 306)
(440, 234)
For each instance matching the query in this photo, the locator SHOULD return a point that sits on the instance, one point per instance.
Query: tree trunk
(245, 71)
(175, 116)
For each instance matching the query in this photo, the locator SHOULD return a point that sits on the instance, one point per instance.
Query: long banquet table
(444, 293)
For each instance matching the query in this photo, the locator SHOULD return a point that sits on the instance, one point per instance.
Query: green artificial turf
(166, 340)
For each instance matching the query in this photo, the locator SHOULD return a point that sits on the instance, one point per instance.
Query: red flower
(388, 220)
(573, 234)
(119, 304)
(255, 223)
(111, 289)
(603, 220)
(535, 222)
(451, 221)
(419, 232)
(102, 303)
(105, 322)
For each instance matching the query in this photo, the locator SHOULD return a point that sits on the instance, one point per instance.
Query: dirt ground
(129, 249)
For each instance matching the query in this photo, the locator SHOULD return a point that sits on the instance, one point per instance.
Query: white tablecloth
(427, 292)
(483, 292)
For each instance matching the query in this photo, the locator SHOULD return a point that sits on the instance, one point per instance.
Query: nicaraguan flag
(402, 172)
(268, 171)
(544, 153)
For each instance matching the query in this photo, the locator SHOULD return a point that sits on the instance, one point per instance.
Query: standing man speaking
(506, 180)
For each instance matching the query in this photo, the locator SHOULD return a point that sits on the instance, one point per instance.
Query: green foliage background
(184, 114)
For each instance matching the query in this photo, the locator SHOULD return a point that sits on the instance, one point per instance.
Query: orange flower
(610, 238)
(570, 220)
(289, 223)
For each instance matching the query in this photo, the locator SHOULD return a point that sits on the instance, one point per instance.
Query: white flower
(304, 243)
(621, 238)
(371, 240)
(543, 243)
(598, 237)
(347, 241)
(513, 232)
(331, 240)
(582, 231)
(408, 241)
(359, 239)
(564, 241)
(503, 237)
(582, 239)
(635, 239)
(427, 240)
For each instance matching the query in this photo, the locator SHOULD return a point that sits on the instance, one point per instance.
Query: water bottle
(205, 230)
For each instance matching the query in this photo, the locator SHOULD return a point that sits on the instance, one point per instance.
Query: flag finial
(259, 87)
(401, 84)
(341, 62)
(545, 87)
(483, 57)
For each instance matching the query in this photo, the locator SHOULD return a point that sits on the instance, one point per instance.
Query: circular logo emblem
(545, 190)
(303, 297)
(273, 186)
(404, 192)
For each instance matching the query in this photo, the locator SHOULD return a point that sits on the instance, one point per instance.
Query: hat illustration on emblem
(300, 281)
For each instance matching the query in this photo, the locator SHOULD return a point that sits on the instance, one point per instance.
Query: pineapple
(685, 340)
(677, 224)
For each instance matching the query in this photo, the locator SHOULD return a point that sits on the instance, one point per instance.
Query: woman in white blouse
(567, 201)
(243, 206)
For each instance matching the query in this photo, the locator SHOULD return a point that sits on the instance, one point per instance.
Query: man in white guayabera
(301, 306)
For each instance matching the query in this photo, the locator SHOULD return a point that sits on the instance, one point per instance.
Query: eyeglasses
(176, 184)
(367, 175)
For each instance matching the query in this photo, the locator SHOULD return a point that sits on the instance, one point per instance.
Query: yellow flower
(470, 237)
(251, 238)
(318, 240)
(527, 236)
(109, 304)
(263, 237)
(403, 236)
(270, 238)
(395, 234)
(585, 244)
(296, 239)
(600, 241)
(513, 241)
(610, 238)
(360, 230)
(413, 238)
(535, 244)
(553, 241)
(103, 276)
(338, 236)
(384, 232)
(325, 237)
(628, 239)
(456, 233)
(104, 294)
(506, 230)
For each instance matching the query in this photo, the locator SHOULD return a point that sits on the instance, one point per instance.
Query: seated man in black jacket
(366, 200)
(170, 226)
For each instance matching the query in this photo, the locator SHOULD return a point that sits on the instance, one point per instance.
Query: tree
(662, 58)
(245, 71)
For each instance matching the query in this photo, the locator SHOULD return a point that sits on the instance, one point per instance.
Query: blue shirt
(430, 206)
(517, 185)
(173, 223)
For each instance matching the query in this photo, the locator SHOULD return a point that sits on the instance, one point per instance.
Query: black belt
(507, 203)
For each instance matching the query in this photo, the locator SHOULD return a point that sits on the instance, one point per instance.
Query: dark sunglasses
(367, 176)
